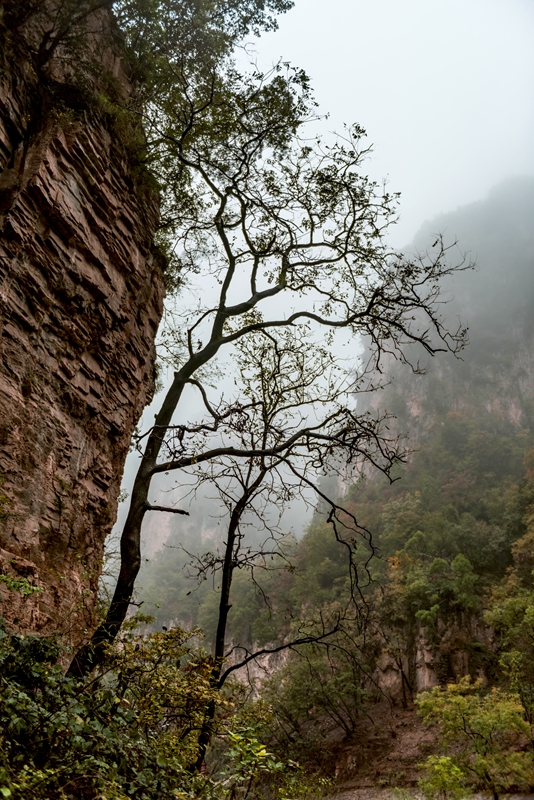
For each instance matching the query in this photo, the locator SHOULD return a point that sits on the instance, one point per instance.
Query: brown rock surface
(81, 295)
(383, 753)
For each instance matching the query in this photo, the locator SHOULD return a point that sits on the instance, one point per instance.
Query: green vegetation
(451, 550)
(130, 731)
(484, 730)
(21, 585)
(454, 543)
(4, 499)
(321, 689)
(464, 487)
(62, 739)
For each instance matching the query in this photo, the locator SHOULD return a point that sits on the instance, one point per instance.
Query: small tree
(485, 732)
(511, 607)
(444, 779)
(287, 383)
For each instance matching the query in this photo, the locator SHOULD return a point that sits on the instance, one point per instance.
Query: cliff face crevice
(462, 645)
(81, 293)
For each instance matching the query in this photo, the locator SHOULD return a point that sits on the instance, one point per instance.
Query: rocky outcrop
(427, 658)
(81, 293)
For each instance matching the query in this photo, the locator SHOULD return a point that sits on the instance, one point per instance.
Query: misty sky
(444, 88)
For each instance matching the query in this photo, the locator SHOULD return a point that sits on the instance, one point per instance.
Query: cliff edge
(81, 293)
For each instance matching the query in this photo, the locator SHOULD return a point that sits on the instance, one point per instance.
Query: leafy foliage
(320, 689)
(61, 738)
(484, 731)
(130, 731)
(444, 779)
(20, 584)
(511, 610)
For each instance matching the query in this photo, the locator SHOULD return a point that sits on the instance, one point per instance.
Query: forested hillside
(446, 590)
(467, 421)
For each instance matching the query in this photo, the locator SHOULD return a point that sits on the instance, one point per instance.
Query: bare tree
(267, 215)
(297, 419)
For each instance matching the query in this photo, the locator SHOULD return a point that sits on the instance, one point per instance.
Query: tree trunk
(206, 731)
(91, 654)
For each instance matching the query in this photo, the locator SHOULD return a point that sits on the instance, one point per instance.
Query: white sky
(444, 88)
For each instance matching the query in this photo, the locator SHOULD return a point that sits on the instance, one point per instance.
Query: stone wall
(81, 294)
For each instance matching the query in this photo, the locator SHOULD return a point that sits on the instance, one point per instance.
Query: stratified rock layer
(81, 295)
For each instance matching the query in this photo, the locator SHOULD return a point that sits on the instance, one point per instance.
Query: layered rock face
(81, 293)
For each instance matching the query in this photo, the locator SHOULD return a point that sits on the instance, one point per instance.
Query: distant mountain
(495, 300)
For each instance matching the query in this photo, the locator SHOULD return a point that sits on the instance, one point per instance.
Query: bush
(131, 730)
(486, 733)
(128, 732)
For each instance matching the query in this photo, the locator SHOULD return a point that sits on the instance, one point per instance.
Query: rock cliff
(81, 293)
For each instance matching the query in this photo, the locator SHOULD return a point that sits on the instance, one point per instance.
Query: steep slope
(444, 533)
(496, 300)
(448, 526)
(81, 293)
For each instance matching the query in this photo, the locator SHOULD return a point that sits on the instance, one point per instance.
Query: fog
(444, 89)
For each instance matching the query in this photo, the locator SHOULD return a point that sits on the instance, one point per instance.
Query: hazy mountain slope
(495, 300)
(446, 531)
